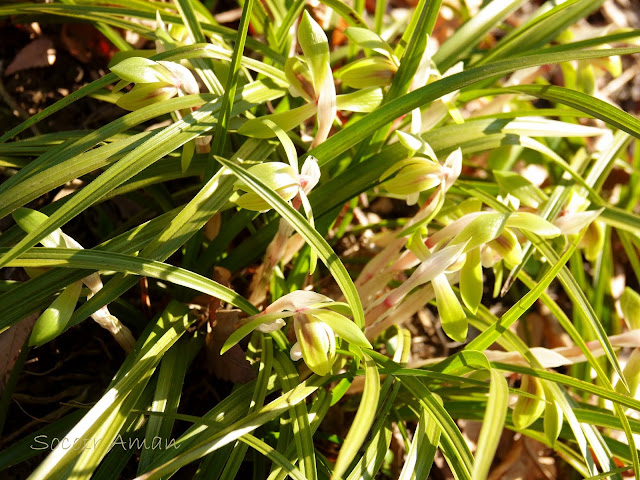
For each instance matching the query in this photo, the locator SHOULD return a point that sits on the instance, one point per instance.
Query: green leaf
(103, 422)
(95, 260)
(229, 93)
(169, 139)
(359, 131)
(363, 420)
(492, 426)
(258, 128)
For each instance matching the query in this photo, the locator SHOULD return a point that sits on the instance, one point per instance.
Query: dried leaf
(39, 53)
(11, 342)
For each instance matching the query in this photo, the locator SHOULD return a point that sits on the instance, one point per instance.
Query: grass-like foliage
(345, 172)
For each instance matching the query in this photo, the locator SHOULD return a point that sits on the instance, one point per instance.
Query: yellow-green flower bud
(528, 409)
(155, 81)
(412, 175)
(144, 94)
(367, 72)
(55, 318)
(276, 175)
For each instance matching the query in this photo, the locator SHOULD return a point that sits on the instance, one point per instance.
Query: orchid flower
(458, 248)
(416, 174)
(321, 89)
(54, 320)
(291, 186)
(154, 81)
(316, 322)
(575, 217)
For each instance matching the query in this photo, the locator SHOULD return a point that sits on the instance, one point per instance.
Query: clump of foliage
(275, 136)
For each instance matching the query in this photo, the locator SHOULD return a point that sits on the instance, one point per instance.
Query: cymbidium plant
(381, 220)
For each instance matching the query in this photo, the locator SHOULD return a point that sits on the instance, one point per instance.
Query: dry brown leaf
(11, 342)
(212, 227)
(233, 366)
(38, 53)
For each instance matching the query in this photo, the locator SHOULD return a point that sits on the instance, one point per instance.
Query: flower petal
(452, 316)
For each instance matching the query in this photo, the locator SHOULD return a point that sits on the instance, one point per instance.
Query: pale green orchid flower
(316, 322)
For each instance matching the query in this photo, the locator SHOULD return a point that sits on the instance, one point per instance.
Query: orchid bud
(553, 418)
(155, 81)
(142, 70)
(278, 176)
(55, 318)
(367, 72)
(412, 175)
(315, 47)
(145, 94)
(630, 305)
(527, 409)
